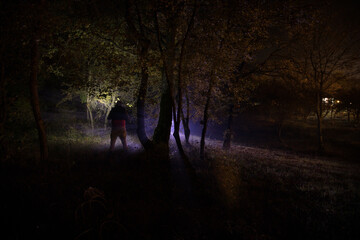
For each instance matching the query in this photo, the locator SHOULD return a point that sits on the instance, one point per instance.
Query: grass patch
(244, 193)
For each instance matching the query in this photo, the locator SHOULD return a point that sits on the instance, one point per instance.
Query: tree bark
(140, 104)
(179, 109)
(228, 131)
(208, 97)
(35, 103)
(319, 123)
(168, 59)
(163, 128)
(89, 111)
(142, 43)
(206, 118)
(186, 120)
(178, 114)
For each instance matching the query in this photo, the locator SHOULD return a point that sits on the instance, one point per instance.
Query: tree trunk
(319, 114)
(163, 128)
(205, 119)
(186, 120)
(87, 113)
(177, 117)
(35, 99)
(88, 101)
(228, 131)
(168, 58)
(88, 108)
(320, 134)
(208, 97)
(138, 37)
(179, 109)
(141, 132)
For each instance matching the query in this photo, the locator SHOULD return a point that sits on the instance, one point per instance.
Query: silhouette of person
(118, 117)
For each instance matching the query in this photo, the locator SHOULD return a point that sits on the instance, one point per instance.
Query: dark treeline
(175, 61)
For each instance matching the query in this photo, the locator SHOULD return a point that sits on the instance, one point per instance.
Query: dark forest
(182, 119)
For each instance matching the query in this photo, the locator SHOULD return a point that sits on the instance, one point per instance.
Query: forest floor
(84, 192)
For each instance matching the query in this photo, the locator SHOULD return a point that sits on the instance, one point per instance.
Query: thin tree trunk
(139, 38)
(91, 119)
(320, 134)
(87, 114)
(228, 131)
(88, 108)
(208, 98)
(177, 120)
(186, 120)
(319, 123)
(177, 116)
(179, 109)
(141, 132)
(35, 100)
(88, 102)
(206, 118)
(168, 58)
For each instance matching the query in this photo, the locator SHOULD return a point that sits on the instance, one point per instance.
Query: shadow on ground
(87, 193)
